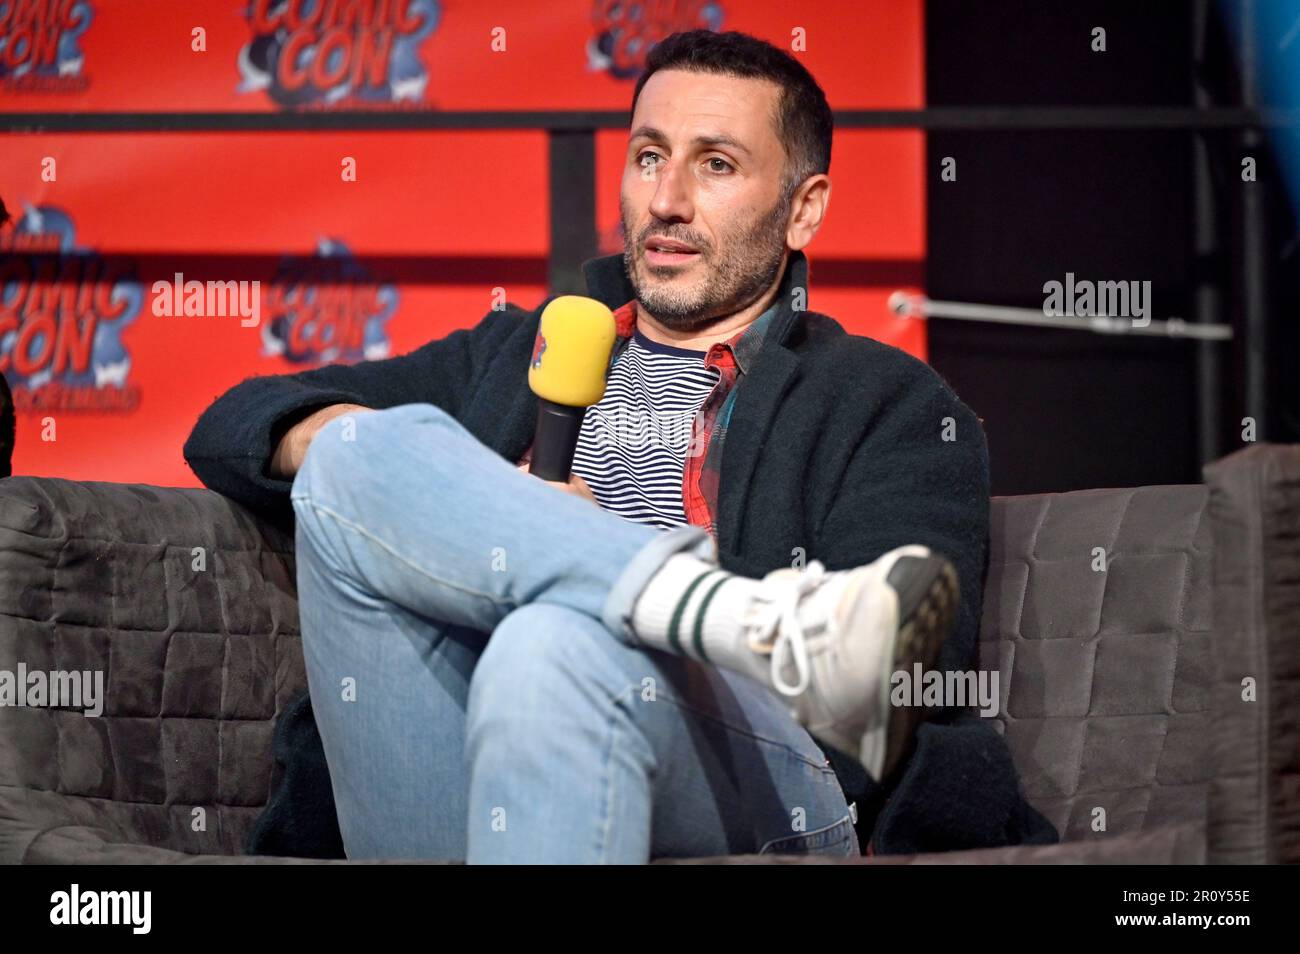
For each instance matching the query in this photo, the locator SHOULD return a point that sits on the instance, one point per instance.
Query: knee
(536, 642)
(331, 457)
(542, 655)
(352, 441)
(357, 450)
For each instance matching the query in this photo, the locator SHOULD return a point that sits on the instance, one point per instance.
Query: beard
(722, 283)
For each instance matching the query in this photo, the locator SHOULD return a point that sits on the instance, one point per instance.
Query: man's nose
(672, 197)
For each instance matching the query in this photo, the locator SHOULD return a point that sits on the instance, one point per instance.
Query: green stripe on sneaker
(674, 625)
(697, 637)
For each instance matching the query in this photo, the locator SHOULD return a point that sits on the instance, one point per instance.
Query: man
(649, 660)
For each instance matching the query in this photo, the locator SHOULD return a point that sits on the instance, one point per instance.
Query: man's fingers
(576, 485)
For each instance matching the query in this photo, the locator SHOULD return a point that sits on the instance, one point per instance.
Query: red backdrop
(108, 390)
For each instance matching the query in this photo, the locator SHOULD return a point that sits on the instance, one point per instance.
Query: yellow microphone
(575, 338)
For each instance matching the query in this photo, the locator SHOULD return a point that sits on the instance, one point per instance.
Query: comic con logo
(62, 313)
(326, 307)
(40, 45)
(323, 53)
(626, 29)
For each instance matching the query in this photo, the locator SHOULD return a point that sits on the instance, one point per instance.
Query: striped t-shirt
(632, 447)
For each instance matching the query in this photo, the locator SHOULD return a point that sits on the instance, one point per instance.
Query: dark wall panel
(1064, 410)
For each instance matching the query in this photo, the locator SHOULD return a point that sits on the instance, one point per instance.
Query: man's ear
(808, 209)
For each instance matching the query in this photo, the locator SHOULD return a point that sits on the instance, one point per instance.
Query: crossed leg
(477, 688)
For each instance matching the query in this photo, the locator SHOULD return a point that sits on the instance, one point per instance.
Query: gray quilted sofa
(1147, 641)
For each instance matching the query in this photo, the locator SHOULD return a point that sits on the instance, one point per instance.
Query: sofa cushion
(1097, 614)
(186, 605)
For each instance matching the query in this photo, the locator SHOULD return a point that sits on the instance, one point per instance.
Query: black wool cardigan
(839, 448)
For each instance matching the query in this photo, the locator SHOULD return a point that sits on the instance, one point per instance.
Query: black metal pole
(1207, 264)
(952, 118)
(573, 208)
(1254, 240)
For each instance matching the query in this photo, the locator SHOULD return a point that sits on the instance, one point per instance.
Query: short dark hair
(804, 123)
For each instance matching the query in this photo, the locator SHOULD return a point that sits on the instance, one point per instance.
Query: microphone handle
(558, 426)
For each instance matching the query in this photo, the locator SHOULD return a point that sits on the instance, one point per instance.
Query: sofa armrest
(1254, 805)
(184, 604)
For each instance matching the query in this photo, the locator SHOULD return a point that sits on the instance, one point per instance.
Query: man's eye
(641, 158)
(724, 162)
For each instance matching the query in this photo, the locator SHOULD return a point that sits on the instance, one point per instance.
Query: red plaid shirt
(704, 453)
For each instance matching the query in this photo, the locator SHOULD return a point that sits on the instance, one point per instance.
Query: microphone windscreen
(575, 338)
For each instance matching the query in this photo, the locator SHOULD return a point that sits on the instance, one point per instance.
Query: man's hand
(576, 485)
(289, 454)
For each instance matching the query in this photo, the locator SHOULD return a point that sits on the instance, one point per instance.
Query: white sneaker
(837, 637)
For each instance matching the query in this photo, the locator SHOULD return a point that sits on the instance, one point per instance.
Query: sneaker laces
(779, 613)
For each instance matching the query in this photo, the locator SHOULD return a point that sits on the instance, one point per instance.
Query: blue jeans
(478, 690)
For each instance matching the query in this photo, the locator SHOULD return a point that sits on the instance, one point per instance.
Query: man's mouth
(667, 252)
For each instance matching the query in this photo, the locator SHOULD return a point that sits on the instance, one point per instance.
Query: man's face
(721, 198)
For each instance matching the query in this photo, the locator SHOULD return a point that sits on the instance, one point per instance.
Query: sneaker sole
(927, 606)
